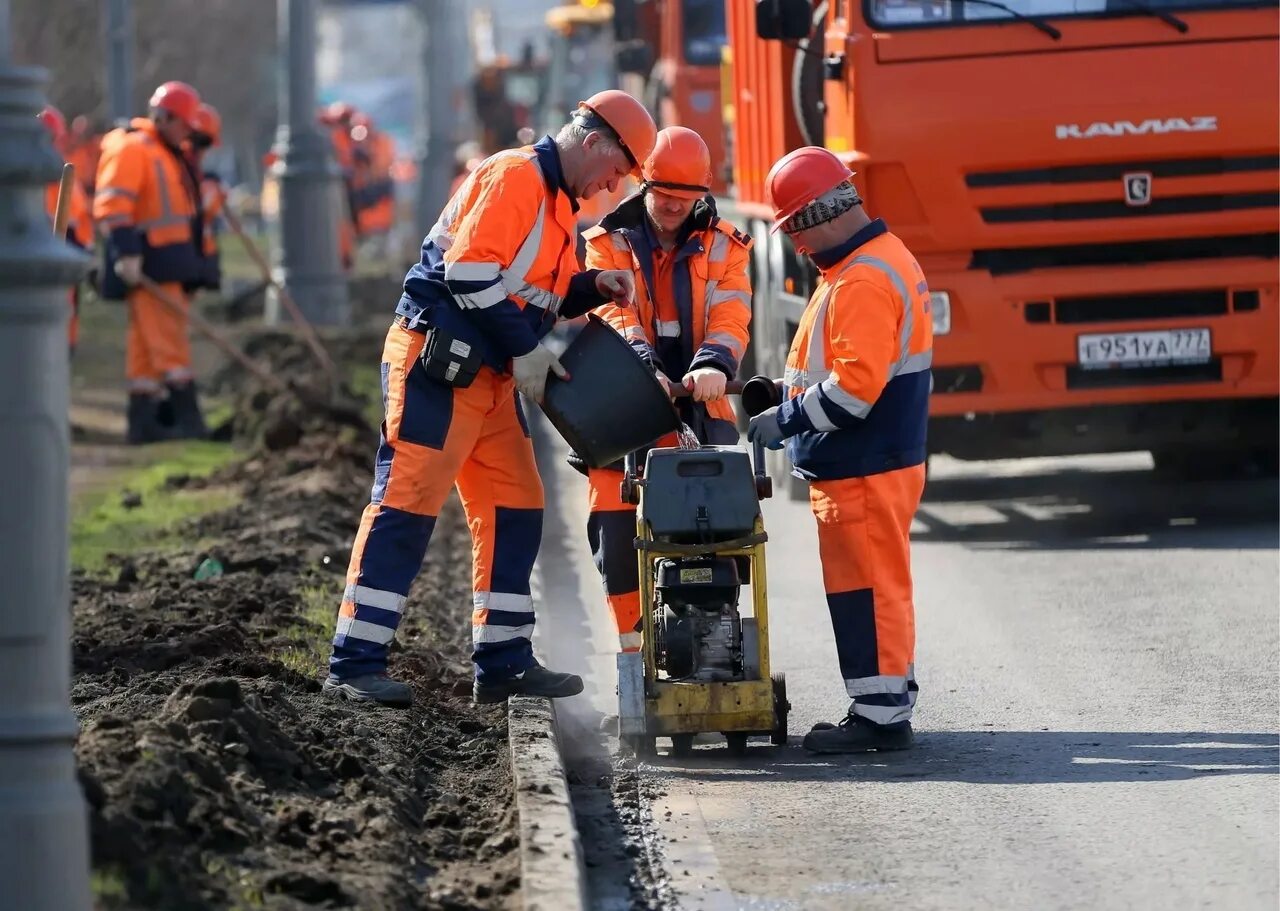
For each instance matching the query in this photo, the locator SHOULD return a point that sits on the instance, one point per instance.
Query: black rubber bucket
(612, 403)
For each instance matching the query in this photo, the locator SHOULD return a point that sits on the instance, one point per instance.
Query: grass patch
(314, 630)
(366, 381)
(101, 524)
(108, 887)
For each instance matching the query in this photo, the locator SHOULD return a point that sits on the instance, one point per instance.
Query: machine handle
(733, 387)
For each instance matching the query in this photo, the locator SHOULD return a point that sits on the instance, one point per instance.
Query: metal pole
(435, 168)
(44, 847)
(311, 193)
(119, 33)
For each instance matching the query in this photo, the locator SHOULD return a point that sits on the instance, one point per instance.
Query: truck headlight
(940, 308)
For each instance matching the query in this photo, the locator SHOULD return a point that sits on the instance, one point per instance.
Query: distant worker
(853, 419)
(147, 208)
(497, 270)
(79, 221)
(213, 193)
(373, 190)
(337, 117)
(83, 146)
(693, 307)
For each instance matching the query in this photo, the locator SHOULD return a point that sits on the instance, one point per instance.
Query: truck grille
(1169, 374)
(1119, 308)
(1009, 260)
(1171, 205)
(1097, 173)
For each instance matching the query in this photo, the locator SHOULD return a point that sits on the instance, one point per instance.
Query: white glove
(764, 428)
(618, 285)
(706, 384)
(129, 268)
(530, 371)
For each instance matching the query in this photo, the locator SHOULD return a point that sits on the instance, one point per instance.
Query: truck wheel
(737, 742)
(682, 745)
(639, 745)
(781, 707)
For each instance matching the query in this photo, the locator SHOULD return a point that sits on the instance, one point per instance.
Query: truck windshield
(890, 13)
(705, 32)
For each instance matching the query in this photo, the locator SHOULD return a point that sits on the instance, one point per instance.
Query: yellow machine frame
(743, 706)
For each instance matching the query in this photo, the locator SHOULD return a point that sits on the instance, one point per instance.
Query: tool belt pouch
(450, 360)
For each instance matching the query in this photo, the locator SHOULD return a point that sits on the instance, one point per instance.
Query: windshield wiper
(1162, 15)
(1030, 20)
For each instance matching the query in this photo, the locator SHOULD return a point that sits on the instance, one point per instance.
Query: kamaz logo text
(1145, 128)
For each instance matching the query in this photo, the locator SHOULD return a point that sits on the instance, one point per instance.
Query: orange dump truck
(1091, 187)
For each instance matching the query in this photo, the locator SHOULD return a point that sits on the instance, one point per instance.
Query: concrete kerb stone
(552, 875)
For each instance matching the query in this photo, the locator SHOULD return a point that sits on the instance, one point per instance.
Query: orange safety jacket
(858, 374)
(146, 204)
(500, 265)
(80, 221)
(710, 286)
(213, 199)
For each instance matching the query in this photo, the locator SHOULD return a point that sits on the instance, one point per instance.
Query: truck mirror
(634, 57)
(783, 20)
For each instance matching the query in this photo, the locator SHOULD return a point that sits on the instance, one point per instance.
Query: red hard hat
(798, 178)
(628, 119)
(179, 99)
(679, 165)
(54, 122)
(209, 123)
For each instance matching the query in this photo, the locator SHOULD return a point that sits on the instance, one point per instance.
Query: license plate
(1143, 349)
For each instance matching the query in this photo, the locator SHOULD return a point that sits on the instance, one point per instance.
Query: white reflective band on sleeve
(375, 597)
(719, 247)
(481, 299)
(503, 601)
(635, 334)
(369, 632)
(812, 406)
(839, 397)
(882, 714)
(795, 378)
(481, 635)
(111, 192)
(539, 297)
(914, 363)
(725, 340)
(724, 297)
(885, 683)
(620, 242)
(471, 272)
(668, 328)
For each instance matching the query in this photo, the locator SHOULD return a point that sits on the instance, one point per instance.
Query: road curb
(552, 875)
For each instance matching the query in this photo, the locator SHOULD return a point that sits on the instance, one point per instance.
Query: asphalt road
(1098, 716)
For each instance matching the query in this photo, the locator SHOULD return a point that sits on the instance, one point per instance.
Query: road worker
(496, 271)
(693, 306)
(338, 118)
(79, 223)
(147, 207)
(207, 135)
(853, 420)
(373, 190)
(83, 147)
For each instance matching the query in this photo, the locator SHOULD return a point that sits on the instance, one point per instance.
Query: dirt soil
(216, 773)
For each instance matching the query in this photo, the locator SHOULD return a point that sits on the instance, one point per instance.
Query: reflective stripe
(480, 299)
(518, 271)
(539, 297)
(162, 222)
(111, 192)
(120, 219)
(725, 340)
(723, 297)
(504, 601)
(882, 714)
(620, 243)
(795, 378)
(162, 186)
(812, 406)
(490, 634)
(374, 597)
(179, 375)
(719, 247)
(884, 683)
(668, 328)
(843, 399)
(361, 629)
(900, 285)
(471, 271)
(635, 334)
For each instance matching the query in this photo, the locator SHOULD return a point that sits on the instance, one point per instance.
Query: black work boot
(188, 422)
(143, 424)
(856, 734)
(536, 681)
(377, 688)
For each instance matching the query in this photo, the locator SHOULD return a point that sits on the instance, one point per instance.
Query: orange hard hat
(798, 178)
(209, 123)
(179, 99)
(54, 122)
(679, 165)
(628, 120)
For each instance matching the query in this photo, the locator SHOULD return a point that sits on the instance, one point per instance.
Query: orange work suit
(857, 385)
(496, 270)
(344, 155)
(692, 310)
(80, 235)
(213, 200)
(145, 204)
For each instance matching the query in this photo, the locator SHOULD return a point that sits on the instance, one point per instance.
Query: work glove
(129, 269)
(765, 430)
(530, 372)
(619, 285)
(706, 384)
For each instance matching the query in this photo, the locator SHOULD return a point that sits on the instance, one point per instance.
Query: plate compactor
(703, 666)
